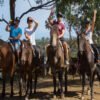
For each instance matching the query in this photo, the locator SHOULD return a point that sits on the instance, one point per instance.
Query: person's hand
(10, 38)
(52, 12)
(95, 11)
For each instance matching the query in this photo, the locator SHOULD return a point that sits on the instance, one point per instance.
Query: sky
(39, 15)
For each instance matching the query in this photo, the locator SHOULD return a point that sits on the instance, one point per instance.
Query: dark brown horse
(55, 55)
(87, 64)
(7, 64)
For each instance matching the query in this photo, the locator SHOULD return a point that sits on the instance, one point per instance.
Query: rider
(89, 29)
(15, 35)
(30, 35)
(61, 30)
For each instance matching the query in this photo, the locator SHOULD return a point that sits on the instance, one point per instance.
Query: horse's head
(85, 49)
(26, 52)
(54, 36)
(84, 44)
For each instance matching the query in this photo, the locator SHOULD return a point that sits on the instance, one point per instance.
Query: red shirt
(60, 25)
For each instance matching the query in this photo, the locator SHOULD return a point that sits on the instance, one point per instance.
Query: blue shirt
(14, 32)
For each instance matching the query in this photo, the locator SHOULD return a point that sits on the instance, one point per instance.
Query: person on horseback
(15, 35)
(89, 29)
(61, 31)
(30, 35)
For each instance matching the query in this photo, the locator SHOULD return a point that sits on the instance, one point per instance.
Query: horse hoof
(30, 94)
(11, 95)
(20, 94)
(88, 92)
(34, 92)
(26, 98)
(3, 95)
(92, 98)
(66, 92)
(62, 96)
(82, 98)
(59, 91)
(54, 97)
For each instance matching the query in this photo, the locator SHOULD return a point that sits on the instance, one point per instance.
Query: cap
(87, 21)
(17, 19)
(59, 14)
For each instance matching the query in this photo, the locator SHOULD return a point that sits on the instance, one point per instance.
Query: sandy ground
(45, 89)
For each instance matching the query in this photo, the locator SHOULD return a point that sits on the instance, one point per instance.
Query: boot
(66, 61)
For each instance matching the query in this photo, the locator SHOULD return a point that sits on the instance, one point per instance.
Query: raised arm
(8, 28)
(50, 18)
(36, 25)
(94, 20)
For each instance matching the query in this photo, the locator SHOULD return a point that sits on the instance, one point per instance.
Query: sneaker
(67, 62)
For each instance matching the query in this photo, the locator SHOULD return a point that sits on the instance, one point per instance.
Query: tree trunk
(12, 9)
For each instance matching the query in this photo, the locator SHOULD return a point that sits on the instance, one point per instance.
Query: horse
(26, 68)
(7, 65)
(87, 64)
(29, 65)
(55, 59)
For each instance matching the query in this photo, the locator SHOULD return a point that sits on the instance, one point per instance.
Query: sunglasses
(30, 20)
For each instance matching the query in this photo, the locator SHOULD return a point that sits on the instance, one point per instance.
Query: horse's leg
(3, 89)
(31, 83)
(66, 79)
(91, 85)
(3, 83)
(35, 81)
(20, 86)
(83, 85)
(54, 83)
(11, 83)
(27, 85)
(60, 76)
(12, 74)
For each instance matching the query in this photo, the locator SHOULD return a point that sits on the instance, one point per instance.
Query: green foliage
(76, 11)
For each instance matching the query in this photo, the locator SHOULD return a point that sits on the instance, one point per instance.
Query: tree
(41, 5)
(76, 11)
(80, 10)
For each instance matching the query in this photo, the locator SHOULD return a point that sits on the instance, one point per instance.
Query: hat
(59, 14)
(17, 19)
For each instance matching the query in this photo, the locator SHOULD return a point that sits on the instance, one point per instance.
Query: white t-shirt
(89, 36)
(32, 35)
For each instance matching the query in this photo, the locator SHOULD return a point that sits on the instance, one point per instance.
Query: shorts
(16, 45)
(62, 39)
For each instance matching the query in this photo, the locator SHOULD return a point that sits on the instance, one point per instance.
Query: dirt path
(45, 88)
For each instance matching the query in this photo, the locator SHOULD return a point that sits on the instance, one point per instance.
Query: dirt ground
(45, 89)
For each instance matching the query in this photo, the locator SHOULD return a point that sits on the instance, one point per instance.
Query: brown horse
(29, 65)
(55, 55)
(7, 64)
(87, 65)
(26, 67)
